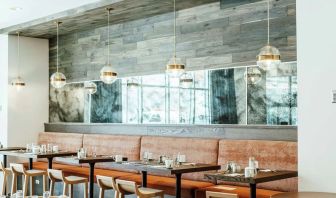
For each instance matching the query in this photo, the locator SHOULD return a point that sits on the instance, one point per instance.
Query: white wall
(3, 87)
(316, 33)
(28, 108)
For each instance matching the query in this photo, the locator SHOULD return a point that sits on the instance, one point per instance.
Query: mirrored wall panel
(243, 95)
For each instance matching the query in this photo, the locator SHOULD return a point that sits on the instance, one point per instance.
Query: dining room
(170, 98)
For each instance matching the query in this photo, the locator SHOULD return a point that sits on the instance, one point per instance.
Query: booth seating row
(270, 154)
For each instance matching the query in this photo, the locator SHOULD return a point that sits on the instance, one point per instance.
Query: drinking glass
(19, 194)
(49, 148)
(94, 151)
(28, 148)
(43, 148)
(46, 194)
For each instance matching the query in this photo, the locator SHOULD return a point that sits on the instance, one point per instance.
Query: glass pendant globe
(90, 87)
(252, 75)
(268, 58)
(186, 80)
(133, 83)
(175, 67)
(18, 83)
(108, 75)
(58, 80)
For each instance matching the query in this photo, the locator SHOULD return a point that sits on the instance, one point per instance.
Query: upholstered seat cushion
(167, 184)
(80, 171)
(242, 192)
(275, 155)
(199, 150)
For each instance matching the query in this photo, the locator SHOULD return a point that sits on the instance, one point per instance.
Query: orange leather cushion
(167, 184)
(65, 141)
(126, 145)
(198, 150)
(278, 155)
(80, 171)
(242, 192)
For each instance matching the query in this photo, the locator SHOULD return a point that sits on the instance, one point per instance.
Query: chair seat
(35, 172)
(150, 191)
(76, 179)
(241, 191)
(167, 184)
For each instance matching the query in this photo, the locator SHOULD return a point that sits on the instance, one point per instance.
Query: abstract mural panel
(67, 104)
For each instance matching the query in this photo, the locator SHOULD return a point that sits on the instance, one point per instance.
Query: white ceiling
(34, 9)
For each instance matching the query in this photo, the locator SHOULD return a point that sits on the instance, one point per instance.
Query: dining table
(155, 167)
(91, 160)
(22, 153)
(263, 175)
(9, 149)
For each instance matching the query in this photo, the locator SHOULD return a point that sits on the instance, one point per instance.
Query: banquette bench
(270, 154)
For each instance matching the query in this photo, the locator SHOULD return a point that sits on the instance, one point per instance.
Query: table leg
(253, 190)
(5, 160)
(30, 166)
(178, 185)
(91, 179)
(50, 161)
(144, 178)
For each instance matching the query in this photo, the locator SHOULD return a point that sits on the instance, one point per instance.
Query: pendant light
(57, 79)
(90, 87)
(18, 82)
(186, 80)
(269, 56)
(252, 75)
(133, 83)
(107, 73)
(175, 67)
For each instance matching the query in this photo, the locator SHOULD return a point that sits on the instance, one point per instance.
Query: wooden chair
(6, 172)
(106, 183)
(69, 181)
(210, 194)
(124, 187)
(19, 169)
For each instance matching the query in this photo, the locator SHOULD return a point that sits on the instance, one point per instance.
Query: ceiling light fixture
(18, 82)
(175, 67)
(57, 79)
(90, 87)
(107, 73)
(252, 75)
(186, 80)
(133, 83)
(269, 56)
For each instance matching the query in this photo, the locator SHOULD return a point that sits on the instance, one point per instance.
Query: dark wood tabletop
(156, 167)
(12, 148)
(23, 153)
(259, 178)
(89, 159)
(305, 195)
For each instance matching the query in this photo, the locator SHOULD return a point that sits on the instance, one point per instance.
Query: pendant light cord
(18, 53)
(57, 23)
(174, 31)
(108, 37)
(268, 22)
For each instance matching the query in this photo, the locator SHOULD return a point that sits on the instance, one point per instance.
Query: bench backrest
(196, 150)
(274, 155)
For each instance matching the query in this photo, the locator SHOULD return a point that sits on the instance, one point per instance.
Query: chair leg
(65, 189)
(14, 184)
(44, 180)
(116, 194)
(86, 191)
(25, 185)
(70, 191)
(52, 183)
(4, 182)
(31, 189)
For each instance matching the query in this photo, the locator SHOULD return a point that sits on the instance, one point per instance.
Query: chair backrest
(106, 182)
(126, 187)
(54, 174)
(2, 167)
(210, 194)
(17, 168)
